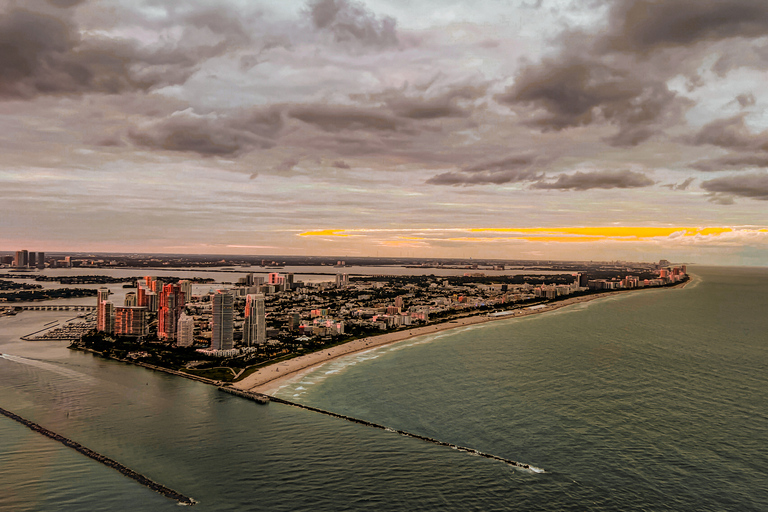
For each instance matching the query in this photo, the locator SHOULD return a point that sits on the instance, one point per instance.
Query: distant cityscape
(263, 317)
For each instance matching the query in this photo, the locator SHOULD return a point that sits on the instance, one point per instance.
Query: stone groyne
(165, 491)
(256, 397)
(407, 434)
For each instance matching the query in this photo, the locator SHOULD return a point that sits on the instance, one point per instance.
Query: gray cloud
(340, 164)
(746, 100)
(732, 162)
(210, 135)
(334, 118)
(65, 3)
(647, 25)
(497, 172)
(45, 53)
(287, 165)
(444, 103)
(575, 92)
(731, 132)
(684, 185)
(723, 199)
(753, 186)
(350, 21)
(597, 179)
(680, 186)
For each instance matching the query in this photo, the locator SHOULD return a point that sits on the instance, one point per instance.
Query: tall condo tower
(104, 314)
(171, 306)
(222, 321)
(186, 331)
(255, 328)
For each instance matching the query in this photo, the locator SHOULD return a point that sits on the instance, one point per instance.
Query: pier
(143, 480)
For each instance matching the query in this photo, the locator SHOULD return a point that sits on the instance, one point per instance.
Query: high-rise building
(131, 321)
(186, 289)
(294, 320)
(32, 260)
(106, 317)
(130, 300)
(342, 280)
(152, 302)
(186, 331)
(255, 327)
(102, 296)
(141, 296)
(40, 260)
(275, 278)
(22, 259)
(171, 305)
(223, 321)
(156, 285)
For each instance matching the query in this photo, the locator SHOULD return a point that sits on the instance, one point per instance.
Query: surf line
(165, 491)
(263, 399)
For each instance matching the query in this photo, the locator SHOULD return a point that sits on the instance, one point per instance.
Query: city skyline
(624, 130)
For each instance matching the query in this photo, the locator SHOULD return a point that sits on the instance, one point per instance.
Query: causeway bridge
(66, 307)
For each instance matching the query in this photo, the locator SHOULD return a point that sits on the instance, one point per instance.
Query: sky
(512, 129)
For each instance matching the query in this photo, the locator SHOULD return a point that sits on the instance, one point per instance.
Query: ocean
(654, 400)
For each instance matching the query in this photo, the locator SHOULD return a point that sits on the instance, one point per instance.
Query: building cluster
(275, 309)
(666, 276)
(161, 308)
(25, 259)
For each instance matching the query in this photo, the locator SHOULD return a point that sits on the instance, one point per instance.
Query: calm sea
(655, 400)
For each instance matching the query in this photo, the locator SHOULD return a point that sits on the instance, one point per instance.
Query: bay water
(652, 400)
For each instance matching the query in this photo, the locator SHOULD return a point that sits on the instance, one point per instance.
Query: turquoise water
(649, 401)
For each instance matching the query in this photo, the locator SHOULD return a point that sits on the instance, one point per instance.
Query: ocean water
(655, 400)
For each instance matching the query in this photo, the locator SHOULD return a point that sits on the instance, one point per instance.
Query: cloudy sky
(530, 129)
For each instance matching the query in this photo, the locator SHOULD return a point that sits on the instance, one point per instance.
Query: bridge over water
(66, 307)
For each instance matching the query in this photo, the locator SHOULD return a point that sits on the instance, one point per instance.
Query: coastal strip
(165, 491)
(431, 440)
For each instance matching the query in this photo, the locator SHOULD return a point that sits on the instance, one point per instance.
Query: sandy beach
(270, 378)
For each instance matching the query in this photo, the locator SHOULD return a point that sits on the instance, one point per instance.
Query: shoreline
(270, 379)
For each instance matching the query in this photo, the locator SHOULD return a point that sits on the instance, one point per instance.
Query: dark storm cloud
(211, 135)
(350, 21)
(597, 179)
(46, 53)
(753, 186)
(507, 170)
(731, 133)
(577, 92)
(647, 25)
(732, 162)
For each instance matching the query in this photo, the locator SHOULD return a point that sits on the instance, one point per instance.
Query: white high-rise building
(255, 328)
(186, 331)
(186, 288)
(222, 323)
